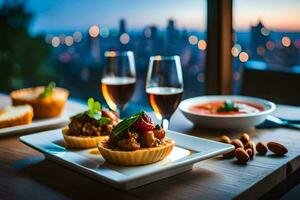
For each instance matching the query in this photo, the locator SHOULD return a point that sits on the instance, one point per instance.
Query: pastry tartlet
(136, 141)
(15, 115)
(47, 102)
(88, 128)
(81, 141)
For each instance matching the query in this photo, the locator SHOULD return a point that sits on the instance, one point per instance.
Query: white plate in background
(71, 108)
(187, 151)
(35, 126)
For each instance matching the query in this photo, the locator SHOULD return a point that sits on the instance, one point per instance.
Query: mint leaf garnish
(94, 111)
(126, 124)
(48, 91)
(103, 121)
(157, 127)
(228, 106)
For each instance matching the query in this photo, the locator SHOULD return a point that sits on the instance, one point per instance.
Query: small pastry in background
(47, 102)
(89, 127)
(15, 115)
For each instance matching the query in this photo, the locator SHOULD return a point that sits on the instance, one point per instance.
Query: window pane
(266, 36)
(75, 35)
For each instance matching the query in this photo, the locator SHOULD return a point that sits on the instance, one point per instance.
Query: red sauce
(212, 108)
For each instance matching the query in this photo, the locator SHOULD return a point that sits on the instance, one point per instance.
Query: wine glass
(118, 79)
(164, 86)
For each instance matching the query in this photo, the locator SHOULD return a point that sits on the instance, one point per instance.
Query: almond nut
(277, 148)
(225, 139)
(245, 138)
(261, 148)
(237, 143)
(249, 152)
(241, 155)
(250, 145)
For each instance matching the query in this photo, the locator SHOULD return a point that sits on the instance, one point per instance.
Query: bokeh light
(239, 47)
(286, 41)
(201, 77)
(202, 45)
(110, 54)
(104, 32)
(69, 40)
(297, 43)
(124, 38)
(265, 31)
(260, 51)
(55, 41)
(94, 31)
(243, 57)
(270, 45)
(77, 36)
(234, 51)
(193, 40)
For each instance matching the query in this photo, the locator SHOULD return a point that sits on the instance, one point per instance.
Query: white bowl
(239, 121)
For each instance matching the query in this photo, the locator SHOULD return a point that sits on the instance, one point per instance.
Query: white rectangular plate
(71, 108)
(188, 150)
(36, 125)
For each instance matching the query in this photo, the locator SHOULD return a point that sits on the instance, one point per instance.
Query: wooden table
(26, 174)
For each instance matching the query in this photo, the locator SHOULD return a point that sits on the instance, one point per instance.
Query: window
(76, 34)
(266, 33)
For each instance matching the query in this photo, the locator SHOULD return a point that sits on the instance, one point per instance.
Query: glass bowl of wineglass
(118, 79)
(164, 86)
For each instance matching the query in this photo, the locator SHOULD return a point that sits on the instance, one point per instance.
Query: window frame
(219, 42)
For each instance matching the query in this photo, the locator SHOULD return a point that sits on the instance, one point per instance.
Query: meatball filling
(142, 134)
(86, 126)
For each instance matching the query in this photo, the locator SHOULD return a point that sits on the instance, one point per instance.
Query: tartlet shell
(47, 107)
(138, 157)
(18, 120)
(80, 142)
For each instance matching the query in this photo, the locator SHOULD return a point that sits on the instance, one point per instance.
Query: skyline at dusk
(278, 15)
(71, 15)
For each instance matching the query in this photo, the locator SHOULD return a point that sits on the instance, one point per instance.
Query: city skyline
(276, 15)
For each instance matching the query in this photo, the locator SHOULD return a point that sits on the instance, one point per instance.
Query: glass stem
(120, 112)
(165, 123)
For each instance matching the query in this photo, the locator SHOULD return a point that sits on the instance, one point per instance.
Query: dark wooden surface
(26, 174)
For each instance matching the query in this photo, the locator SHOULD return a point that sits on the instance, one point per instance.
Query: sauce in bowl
(219, 108)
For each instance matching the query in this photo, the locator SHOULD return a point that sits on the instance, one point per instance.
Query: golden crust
(43, 107)
(25, 118)
(138, 157)
(81, 142)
